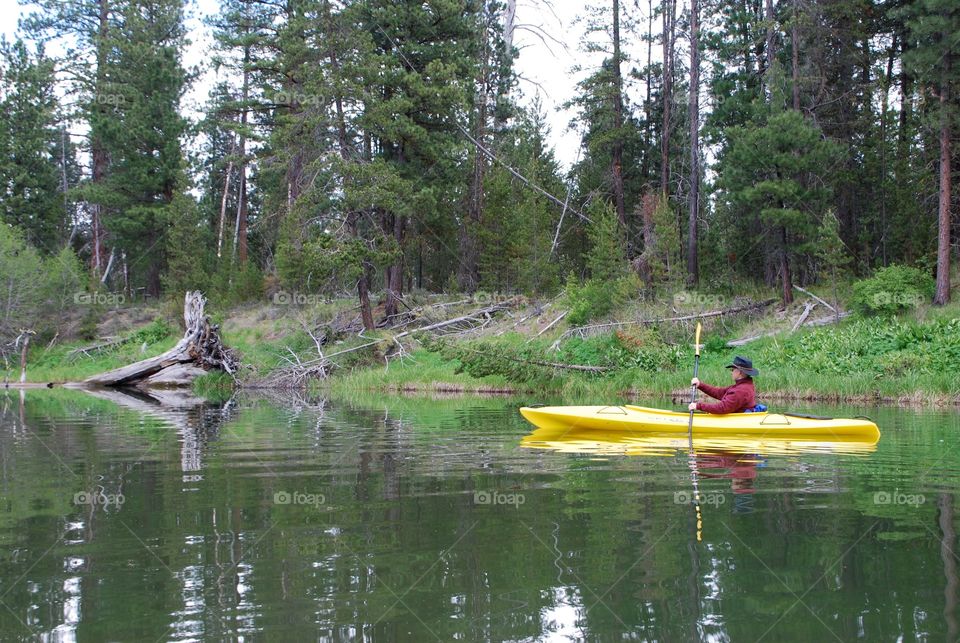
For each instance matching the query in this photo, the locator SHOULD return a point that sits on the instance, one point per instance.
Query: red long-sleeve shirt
(736, 398)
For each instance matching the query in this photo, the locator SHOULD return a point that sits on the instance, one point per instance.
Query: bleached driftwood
(200, 348)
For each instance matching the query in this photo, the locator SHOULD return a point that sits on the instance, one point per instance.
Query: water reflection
(604, 545)
(606, 443)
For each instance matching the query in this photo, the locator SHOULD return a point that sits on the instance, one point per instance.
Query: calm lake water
(403, 519)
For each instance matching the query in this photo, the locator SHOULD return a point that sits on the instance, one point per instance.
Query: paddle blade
(697, 341)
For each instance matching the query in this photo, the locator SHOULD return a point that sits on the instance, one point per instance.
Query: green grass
(422, 370)
(57, 365)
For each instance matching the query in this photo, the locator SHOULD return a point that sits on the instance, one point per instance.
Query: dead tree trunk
(693, 266)
(617, 160)
(199, 350)
(942, 295)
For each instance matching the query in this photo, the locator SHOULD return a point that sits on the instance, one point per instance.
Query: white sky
(544, 64)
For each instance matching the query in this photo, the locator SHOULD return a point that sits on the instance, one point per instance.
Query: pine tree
(774, 173)
(31, 196)
(145, 136)
(88, 27)
(933, 59)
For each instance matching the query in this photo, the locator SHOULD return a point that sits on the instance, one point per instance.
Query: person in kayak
(736, 398)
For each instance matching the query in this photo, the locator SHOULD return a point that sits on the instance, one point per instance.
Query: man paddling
(736, 398)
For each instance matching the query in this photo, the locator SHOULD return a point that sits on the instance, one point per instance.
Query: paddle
(693, 388)
(693, 457)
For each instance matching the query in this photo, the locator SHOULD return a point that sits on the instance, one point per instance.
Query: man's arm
(731, 402)
(716, 392)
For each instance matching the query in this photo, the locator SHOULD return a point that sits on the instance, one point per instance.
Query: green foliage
(606, 259)
(662, 253)
(30, 194)
(189, 246)
(874, 346)
(593, 299)
(34, 291)
(891, 290)
(157, 330)
(485, 358)
(634, 348)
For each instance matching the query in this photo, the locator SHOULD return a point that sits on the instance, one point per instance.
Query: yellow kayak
(599, 442)
(639, 419)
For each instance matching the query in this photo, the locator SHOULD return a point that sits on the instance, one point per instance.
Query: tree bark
(509, 23)
(785, 277)
(795, 55)
(617, 160)
(223, 208)
(884, 115)
(23, 356)
(241, 230)
(363, 282)
(693, 269)
(98, 151)
(645, 164)
(468, 273)
(668, 18)
(768, 47)
(942, 295)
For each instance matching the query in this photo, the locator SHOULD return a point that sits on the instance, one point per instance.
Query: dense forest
(377, 147)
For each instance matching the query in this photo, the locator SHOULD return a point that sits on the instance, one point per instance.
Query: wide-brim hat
(744, 365)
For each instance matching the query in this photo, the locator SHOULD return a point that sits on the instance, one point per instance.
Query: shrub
(891, 290)
(157, 330)
(595, 298)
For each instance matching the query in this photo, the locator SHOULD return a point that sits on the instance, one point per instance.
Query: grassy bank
(907, 359)
(910, 358)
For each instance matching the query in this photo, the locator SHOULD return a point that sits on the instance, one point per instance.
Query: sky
(544, 65)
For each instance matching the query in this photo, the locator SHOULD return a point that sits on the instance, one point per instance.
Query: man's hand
(695, 382)
(692, 406)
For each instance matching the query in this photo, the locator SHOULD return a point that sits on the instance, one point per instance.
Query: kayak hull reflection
(599, 442)
(639, 419)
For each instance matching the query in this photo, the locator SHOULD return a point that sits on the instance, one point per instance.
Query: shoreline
(453, 389)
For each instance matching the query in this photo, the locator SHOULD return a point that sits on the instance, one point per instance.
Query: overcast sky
(544, 65)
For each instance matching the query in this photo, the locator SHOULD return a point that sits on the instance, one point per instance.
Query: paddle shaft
(693, 457)
(693, 387)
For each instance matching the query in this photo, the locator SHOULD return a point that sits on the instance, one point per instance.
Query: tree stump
(200, 350)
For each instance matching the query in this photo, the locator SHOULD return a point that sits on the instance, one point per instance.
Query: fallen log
(200, 350)
(108, 342)
(811, 295)
(661, 320)
(803, 316)
(803, 321)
